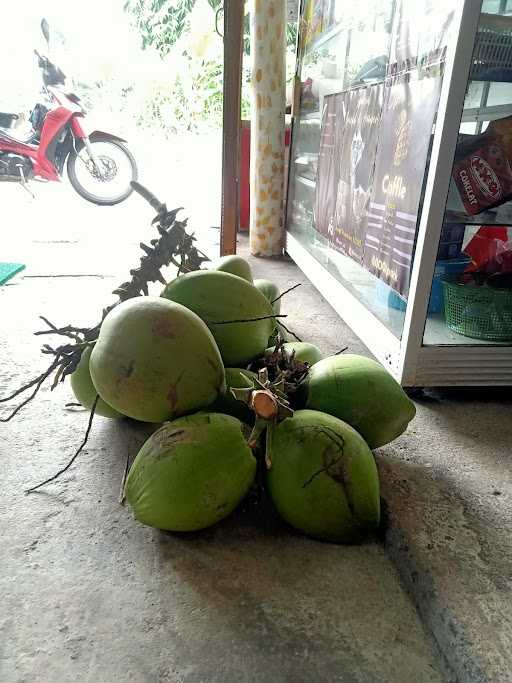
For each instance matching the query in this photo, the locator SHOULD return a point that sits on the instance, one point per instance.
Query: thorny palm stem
(173, 241)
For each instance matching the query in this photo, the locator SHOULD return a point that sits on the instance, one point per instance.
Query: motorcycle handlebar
(52, 74)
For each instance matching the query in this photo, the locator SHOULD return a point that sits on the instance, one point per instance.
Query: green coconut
(271, 292)
(323, 479)
(361, 392)
(304, 351)
(218, 298)
(155, 360)
(226, 403)
(191, 473)
(85, 391)
(236, 265)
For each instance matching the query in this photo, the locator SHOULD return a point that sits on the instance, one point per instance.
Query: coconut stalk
(268, 48)
(269, 402)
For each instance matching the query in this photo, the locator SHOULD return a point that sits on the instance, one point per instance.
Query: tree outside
(181, 32)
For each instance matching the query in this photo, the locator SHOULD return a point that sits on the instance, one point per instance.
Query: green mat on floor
(9, 270)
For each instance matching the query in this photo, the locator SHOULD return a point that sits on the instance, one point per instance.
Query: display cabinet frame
(411, 362)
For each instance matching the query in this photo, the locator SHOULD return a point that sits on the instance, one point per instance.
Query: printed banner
(348, 141)
(356, 165)
(407, 119)
(333, 118)
(421, 33)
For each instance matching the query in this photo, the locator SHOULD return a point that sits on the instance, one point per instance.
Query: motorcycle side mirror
(45, 28)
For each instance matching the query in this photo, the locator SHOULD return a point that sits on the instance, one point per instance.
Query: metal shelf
(483, 220)
(500, 215)
(437, 333)
(475, 114)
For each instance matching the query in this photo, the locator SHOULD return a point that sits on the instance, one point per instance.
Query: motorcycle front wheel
(110, 184)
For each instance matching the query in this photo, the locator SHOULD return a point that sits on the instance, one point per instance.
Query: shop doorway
(153, 74)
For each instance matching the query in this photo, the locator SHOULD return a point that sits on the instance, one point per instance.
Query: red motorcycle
(99, 165)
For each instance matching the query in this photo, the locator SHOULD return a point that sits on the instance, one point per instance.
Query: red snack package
(490, 251)
(482, 168)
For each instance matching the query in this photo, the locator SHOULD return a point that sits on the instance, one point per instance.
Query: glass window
(370, 83)
(471, 293)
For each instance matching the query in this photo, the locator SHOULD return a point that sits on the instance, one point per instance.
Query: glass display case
(400, 183)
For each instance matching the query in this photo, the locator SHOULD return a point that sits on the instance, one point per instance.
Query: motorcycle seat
(7, 119)
(27, 139)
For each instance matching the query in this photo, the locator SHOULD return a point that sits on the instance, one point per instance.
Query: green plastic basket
(478, 312)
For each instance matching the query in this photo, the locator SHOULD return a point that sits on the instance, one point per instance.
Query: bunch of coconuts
(206, 360)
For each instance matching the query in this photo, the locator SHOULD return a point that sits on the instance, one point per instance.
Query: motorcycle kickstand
(24, 183)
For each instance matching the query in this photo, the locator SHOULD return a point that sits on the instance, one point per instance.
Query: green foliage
(183, 54)
(161, 23)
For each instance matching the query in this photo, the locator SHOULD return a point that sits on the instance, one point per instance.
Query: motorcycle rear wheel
(85, 179)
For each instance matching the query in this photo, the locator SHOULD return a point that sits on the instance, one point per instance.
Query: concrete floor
(88, 594)
(447, 484)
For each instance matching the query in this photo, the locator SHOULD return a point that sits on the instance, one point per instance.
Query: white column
(268, 52)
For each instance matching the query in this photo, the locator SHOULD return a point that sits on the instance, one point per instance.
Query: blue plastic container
(389, 297)
(442, 270)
